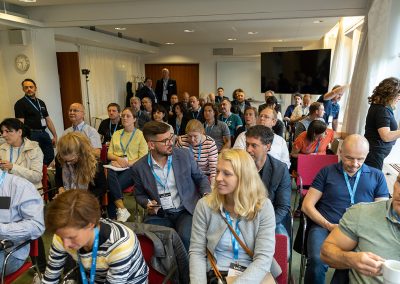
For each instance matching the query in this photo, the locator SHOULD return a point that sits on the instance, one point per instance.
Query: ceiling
(158, 22)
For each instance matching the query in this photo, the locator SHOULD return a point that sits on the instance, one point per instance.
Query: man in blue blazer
(168, 182)
(165, 88)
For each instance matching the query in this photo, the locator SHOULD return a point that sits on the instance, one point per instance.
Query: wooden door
(70, 82)
(186, 76)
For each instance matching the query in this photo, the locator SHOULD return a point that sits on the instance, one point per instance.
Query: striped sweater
(119, 257)
(208, 154)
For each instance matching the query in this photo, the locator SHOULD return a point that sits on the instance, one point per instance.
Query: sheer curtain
(110, 70)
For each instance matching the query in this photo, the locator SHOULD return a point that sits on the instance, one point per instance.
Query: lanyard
(235, 243)
(316, 148)
(177, 127)
(12, 152)
(94, 259)
(127, 144)
(115, 128)
(198, 113)
(226, 119)
(208, 128)
(198, 150)
(352, 191)
(36, 107)
(158, 179)
(2, 177)
(76, 128)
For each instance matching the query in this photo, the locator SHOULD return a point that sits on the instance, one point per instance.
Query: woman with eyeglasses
(204, 149)
(315, 140)
(126, 147)
(19, 155)
(381, 126)
(105, 251)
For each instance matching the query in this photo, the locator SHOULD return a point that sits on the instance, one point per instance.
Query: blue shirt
(329, 108)
(233, 122)
(335, 196)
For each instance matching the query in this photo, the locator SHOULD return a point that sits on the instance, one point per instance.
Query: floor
(130, 203)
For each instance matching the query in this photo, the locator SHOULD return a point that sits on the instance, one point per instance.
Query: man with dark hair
(330, 101)
(142, 117)
(232, 120)
(220, 95)
(168, 182)
(113, 123)
(297, 102)
(316, 112)
(147, 91)
(33, 113)
(239, 104)
(195, 111)
(165, 88)
(274, 173)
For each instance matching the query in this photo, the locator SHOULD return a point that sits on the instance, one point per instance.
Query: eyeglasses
(166, 141)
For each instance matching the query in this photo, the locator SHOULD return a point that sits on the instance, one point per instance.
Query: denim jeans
(13, 264)
(180, 221)
(118, 181)
(43, 138)
(316, 269)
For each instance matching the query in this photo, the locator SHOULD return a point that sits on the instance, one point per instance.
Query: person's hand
(152, 207)
(367, 263)
(54, 141)
(123, 163)
(330, 226)
(6, 165)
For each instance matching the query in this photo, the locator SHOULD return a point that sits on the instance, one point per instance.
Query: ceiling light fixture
(170, 43)
(28, 1)
(252, 33)
(188, 31)
(120, 29)
(232, 39)
(317, 21)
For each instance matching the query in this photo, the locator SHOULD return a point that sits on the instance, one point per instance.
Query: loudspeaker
(18, 37)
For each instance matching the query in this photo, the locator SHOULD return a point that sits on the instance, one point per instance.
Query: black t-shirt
(379, 116)
(106, 131)
(32, 111)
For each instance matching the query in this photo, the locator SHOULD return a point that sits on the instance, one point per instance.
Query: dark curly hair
(386, 92)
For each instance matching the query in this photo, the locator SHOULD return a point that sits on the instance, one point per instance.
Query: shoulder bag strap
(214, 265)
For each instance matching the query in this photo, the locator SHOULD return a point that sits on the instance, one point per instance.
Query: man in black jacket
(165, 88)
(147, 91)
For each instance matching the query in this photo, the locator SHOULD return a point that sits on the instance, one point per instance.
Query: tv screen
(304, 71)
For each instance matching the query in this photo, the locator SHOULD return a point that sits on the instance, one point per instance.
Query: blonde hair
(194, 125)
(250, 193)
(76, 143)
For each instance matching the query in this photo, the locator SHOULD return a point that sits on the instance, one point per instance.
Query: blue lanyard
(316, 148)
(226, 119)
(127, 144)
(235, 243)
(177, 127)
(2, 177)
(158, 179)
(198, 113)
(208, 128)
(38, 108)
(352, 191)
(198, 151)
(94, 260)
(12, 153)
(115, 128)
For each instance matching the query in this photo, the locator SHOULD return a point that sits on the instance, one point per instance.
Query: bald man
(76, 115)
(336, 188)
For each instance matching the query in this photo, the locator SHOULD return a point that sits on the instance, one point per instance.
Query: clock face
(22, 62)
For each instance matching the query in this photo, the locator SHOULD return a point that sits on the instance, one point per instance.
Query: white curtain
(110, 70)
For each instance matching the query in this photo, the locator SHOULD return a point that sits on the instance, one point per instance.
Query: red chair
(103, 153)
(34, 252)
(155, 277)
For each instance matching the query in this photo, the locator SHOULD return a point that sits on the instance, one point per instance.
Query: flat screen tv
(304, 71)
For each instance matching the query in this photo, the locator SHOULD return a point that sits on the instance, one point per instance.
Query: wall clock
(22, 62)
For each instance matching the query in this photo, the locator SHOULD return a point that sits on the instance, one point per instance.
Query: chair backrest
(281, 250)
(309, 165)
(45, 183)
(146, 245)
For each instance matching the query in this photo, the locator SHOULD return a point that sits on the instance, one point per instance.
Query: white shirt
(279, 149)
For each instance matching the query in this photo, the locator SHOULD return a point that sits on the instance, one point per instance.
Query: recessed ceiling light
(188, 31)
(317, 21)
(170, 43)
(280, 40)
(28, 1)
(120, 29)
(252, 33)
(232, 39)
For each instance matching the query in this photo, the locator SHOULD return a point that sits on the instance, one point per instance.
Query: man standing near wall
(33, 113)
(165, 88)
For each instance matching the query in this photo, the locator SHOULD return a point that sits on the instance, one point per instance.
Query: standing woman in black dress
(381, 126)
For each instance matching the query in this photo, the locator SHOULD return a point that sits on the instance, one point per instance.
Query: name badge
(166, 201)
(43, 122)
(5, 202)
(235, 269)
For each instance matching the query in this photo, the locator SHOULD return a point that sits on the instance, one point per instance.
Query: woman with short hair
(105, 250)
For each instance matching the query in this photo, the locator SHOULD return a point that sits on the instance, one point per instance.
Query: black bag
(213, 279)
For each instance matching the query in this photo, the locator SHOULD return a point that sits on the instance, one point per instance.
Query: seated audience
(106, 251)
(335, 189)
(76, 115)
(301, 110)
(195, 111)
(113, 123)
(220, 96)
(267, 94)
(217, 130)
(147, 106)
(19, 155)
(250, 119)
(179, 118)
(168, 182)
(279, 127)
(239, 105)
(126, 147)
(185, 99)
(238, 198)
(142, 116)
(289, 110)
(367, 235)
(279, 149)
(315, 140)
(21, 217)
(232, 120)
(203, 147)
(330, 100)
(316, 112)
(159, 114)
(173, 100)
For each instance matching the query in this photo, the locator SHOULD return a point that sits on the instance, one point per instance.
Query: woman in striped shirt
(203, 147)
(106, 251)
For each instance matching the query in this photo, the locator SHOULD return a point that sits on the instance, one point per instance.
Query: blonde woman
(238, 198)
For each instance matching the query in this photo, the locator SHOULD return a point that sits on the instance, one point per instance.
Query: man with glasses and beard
(168, 182)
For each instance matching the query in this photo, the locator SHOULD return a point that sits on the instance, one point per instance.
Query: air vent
(287, 48)
(222, 51)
